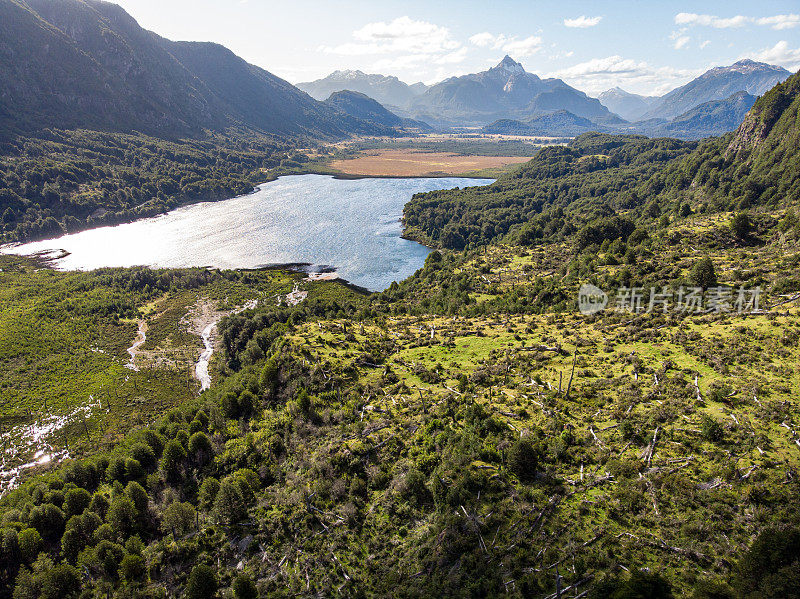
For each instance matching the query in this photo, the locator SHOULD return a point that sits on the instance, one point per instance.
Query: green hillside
(467, 432)
(597, 175)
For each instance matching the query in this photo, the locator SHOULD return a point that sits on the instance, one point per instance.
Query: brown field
(409, 163)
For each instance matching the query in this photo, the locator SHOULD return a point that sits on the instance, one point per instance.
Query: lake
(351, 226)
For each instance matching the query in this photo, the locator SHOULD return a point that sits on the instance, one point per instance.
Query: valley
(500, 331)
(411, 163)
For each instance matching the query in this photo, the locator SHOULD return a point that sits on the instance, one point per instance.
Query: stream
(141, 337)
(201, 367)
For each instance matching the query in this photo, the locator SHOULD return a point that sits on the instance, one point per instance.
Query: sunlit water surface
(350, 225)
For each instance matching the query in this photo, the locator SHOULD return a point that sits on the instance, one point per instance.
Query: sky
(644, 46)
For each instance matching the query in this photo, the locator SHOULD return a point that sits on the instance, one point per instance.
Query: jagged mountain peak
(348, 73)
(746, 66)
(509, 65)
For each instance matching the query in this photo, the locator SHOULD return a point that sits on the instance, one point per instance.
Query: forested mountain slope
(597, 175)
(361, 106)
(87, 64)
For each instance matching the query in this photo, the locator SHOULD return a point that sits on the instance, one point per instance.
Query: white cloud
(402, 35)
(401, 62)
(510, 45)
(453, 57)
(776, 21)
(780, 21)
(482, 39)
(704, 43)
(688, 18)
(525, 47)
(599, 74)
(780, 54)
(582, 22)
(681, 42)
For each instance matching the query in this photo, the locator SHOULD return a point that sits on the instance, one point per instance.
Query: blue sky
(646, 46)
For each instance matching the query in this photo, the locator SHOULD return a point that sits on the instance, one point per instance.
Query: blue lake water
(352, 226)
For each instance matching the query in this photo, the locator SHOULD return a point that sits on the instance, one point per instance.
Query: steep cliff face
(772, 122)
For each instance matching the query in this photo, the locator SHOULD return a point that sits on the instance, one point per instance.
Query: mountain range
(504, 91)
(718, 83)
(561, 121)
(708, 119)
(88, 64)
(387, 90)
(508, 99)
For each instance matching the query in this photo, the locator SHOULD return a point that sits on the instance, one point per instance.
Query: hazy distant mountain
(363, 107)
(712, 118)
(719, 83)
(418, 88)
(561, 124)
(506, 91)
(627, 105)
(387, 90)
(75, 63)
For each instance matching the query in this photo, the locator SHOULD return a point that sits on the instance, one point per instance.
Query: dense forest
(65, 181)
(564, 189)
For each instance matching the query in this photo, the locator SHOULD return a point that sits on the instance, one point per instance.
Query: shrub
(244, 587)
(703, 274)
(711, 429)
(523, 458)
(304, 403)
(132, 567)
(30, 543)
(740, 225)
(202, 583)
(75, 501)
(771, 567)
